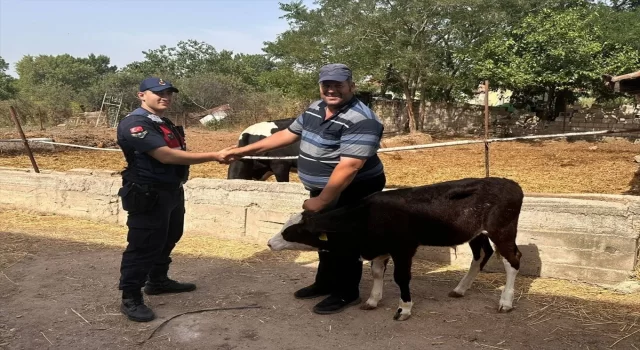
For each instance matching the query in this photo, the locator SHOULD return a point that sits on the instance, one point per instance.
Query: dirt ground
(550, 166)
(58, 290)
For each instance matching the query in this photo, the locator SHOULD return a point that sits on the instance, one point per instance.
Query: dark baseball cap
(335, 71)
(156, 85)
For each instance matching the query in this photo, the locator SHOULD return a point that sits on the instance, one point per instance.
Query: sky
(122, 29)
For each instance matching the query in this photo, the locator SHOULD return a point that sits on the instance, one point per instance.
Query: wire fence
(400, 148)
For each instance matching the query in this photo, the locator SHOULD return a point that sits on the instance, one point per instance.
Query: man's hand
(315, 204)
(227, 155)
(280, 139)
(167, 155)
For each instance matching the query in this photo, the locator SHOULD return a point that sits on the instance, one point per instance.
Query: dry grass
(72, 231)
(591, 306)
(548, 166)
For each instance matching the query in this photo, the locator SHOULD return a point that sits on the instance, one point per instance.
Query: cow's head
(298, 234)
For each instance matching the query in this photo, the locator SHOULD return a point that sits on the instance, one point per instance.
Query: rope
(78, 146)
(468, 142)
(404, 148)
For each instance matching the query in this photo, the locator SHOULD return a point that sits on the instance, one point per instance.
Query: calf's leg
(511, 260)
(503, 228)
(402, 277)
(281, 170)
(378, 267)
(480, 257)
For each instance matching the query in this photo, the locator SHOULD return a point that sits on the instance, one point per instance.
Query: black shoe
(334, 304)
(134, 308)
(167, 285)
(310, 292)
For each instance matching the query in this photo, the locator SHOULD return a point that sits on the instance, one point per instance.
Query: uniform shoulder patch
(138, 131)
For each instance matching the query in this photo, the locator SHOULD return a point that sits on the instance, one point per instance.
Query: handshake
(227, 155)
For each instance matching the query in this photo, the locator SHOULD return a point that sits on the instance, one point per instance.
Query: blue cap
(156, 85)
(335, 71)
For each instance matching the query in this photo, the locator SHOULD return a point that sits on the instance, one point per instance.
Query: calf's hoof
(400, 316)
(368, 306)
(503, 309)
(454, 294)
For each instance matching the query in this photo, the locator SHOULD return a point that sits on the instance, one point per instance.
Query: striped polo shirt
(353, 131)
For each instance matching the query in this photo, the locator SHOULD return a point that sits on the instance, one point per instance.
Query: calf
(262, 169)
(395, 223)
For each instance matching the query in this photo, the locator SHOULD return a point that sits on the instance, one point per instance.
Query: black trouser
(155, 226)
(340, 270)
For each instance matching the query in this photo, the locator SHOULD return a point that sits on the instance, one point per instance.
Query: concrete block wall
(593, 121)
(86, 194)
(591, 238)
(9, 145)
(579, 237)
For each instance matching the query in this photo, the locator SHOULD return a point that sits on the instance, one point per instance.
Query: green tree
(209, 90)
(556, 52)
(190, 58)
(48, 85)
(7, 87)
(423, 48)
(289, 82)
(77, 73)
(621, 5)
(620, 26)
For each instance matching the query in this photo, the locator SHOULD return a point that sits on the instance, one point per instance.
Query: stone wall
(592, 238)
(469, 120)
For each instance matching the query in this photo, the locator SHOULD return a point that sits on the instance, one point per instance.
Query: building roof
(628, 83)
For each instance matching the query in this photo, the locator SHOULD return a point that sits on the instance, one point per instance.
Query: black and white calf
(395, 223)
(262, 169)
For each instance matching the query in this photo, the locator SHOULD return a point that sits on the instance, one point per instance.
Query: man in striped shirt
(338, 164)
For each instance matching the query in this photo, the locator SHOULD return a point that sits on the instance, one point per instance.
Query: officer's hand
(227, 155)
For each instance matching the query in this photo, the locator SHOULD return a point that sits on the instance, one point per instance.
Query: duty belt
(160, 186)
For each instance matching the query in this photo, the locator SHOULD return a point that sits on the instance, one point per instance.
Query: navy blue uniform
(153, 196)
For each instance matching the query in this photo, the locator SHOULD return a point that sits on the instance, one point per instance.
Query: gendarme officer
(153, 195)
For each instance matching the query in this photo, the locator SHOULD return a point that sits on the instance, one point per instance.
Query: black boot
(166, 285)
(310, 292)
(334, 304)
(133, 306)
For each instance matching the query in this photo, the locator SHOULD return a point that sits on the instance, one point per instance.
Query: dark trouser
(154, 230)
(340, 270)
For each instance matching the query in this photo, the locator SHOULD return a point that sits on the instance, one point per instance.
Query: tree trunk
(447, 94)
(423, 108)
(551, 97)
(560, 104)
(387, 78)
(409, 105)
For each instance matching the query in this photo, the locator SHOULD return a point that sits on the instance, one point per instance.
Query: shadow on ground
(634, 184)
